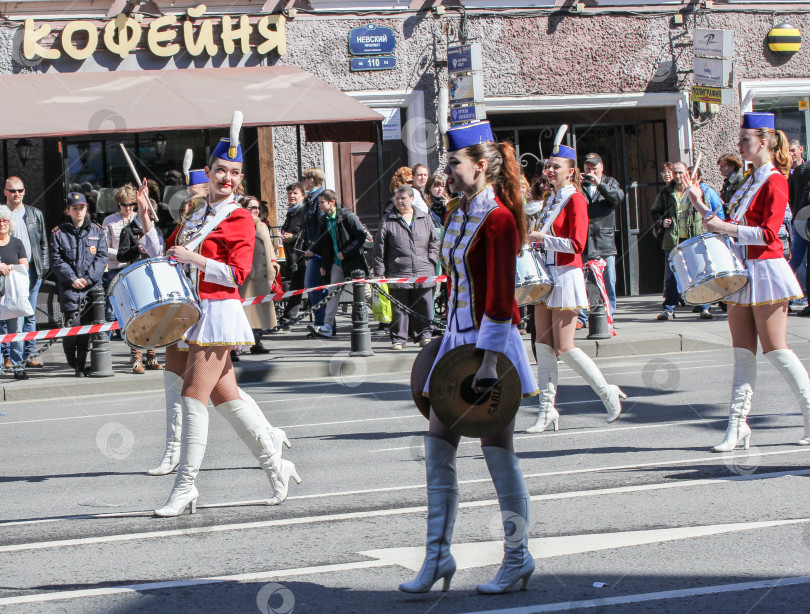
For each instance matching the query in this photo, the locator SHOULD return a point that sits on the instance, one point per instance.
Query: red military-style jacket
(765, 213)
(231, 242)
(480, 253)
(571, 224)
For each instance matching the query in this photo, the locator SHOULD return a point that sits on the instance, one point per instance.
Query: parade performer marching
(484, 231)
(563, 236)
(760, 309)
(218, 265)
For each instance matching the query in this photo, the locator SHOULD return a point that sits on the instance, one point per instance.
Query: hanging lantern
(784, 40)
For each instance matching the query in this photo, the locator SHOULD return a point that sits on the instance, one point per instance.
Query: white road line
(567, 606)
(156, 586)
(352, 515)
(470, 556)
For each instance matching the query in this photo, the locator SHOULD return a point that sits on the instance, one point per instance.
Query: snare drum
(154, 303)
(533, 282)
(708, 269)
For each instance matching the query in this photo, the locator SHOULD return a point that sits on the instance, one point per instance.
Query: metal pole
(100, 358)
(361, 334)
(381, 196)
(597, 315)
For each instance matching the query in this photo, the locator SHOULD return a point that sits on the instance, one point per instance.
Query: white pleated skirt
(223, 322)
(772, 281)
(569, 288)
(515, 352)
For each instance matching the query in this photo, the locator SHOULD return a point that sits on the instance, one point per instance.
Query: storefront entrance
(633, 151)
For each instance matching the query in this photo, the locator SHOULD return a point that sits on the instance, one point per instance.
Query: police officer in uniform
(78, 259)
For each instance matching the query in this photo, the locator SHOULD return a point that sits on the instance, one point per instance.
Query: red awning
(70, 104)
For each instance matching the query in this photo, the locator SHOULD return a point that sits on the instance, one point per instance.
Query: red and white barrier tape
(100, 328)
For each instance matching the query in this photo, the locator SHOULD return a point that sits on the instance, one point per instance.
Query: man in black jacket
(604, 195)
(30, 229)
(78, 259)
(340, 248)
(292, 234)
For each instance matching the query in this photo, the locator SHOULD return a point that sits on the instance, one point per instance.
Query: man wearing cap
(29, 228)
(78, 259)
(603, 195)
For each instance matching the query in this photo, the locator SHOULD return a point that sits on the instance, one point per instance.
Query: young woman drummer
(484, 230)
(218, 265)
(556, 316)
(760, 310)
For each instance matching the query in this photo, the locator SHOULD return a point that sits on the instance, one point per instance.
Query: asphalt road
(637, 516)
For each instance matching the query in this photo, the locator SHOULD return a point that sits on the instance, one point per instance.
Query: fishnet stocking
(768, 322)
(555, 327)
(208, 374)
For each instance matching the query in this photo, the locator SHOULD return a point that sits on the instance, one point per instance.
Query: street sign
(387, 62)
(714, 43)
(372, 39)
(712, 95)
(468, 113)
(392, 124)
(711, 72)
(464, 58)
(466, 88)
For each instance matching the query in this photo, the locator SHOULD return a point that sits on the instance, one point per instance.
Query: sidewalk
(293, 356)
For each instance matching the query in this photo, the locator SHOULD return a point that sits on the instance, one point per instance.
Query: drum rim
(706, 235)
(135, 265)
(717, 276)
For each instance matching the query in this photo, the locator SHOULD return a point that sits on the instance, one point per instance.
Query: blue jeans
(610, 287)
(28, 324)
(314, 278)
(797, 256)
(14, 349)
(106, 278)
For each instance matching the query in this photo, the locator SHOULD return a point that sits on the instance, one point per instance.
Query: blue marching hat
(563, 151)
(466, 135)
(224, 151)
(197, 177)
(758, 120)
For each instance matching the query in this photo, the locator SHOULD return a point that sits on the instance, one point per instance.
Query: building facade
(619, 72)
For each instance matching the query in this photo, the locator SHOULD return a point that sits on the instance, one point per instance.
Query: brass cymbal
(419, 374)
(465, 411)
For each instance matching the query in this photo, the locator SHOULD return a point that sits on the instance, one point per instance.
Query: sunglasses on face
(12, 191)
(128, 204)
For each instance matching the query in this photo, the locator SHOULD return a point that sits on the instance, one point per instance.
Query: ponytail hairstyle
(779, 148)
(504, 175)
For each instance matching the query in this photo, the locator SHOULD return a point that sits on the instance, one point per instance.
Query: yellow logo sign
(122, 36)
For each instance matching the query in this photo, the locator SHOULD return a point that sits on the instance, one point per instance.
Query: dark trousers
(77, 343)
(296, 283)
(420, 299)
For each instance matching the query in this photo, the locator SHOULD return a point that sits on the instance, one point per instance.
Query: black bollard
(361, 334)
(100, 358)
(597, 315)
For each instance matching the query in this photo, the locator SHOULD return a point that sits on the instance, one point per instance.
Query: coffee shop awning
(70, 104)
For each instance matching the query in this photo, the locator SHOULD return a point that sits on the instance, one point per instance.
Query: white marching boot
(278, 434)
(792, 369)
(253, 428)
(586, 368)
(547, 382)
(513, 499)
(172, 388)
(192, 450)
(742, 390)
(442, 492)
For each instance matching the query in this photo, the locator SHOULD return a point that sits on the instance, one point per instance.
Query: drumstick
(135, 174)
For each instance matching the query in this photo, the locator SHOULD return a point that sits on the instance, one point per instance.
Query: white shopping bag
(14, 303)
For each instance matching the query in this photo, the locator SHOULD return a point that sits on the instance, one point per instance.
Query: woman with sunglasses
(113, 226)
